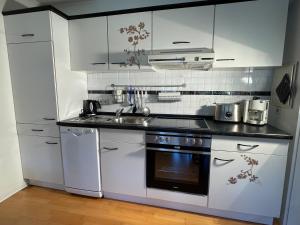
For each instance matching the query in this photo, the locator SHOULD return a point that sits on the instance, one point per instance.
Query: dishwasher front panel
(81, 159)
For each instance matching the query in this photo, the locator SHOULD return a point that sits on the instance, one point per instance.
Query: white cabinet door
(28, 27)
(41, 159)
(47, 130)
(88, 44)
(247, 183)
(123, 166)
(249, 34)
(183, 28)
(129, 36)
(32, 74)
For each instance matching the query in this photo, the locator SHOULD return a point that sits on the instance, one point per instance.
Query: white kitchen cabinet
(41, 159)
(32, 69)
(247, 183)
(123, 162)
(45, 90)
(183, 28)
(28, 27)
(126, 50)
(250, 34)
(89, 44)
(47, 130)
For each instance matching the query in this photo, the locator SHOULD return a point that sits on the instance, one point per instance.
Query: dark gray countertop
(190, 125)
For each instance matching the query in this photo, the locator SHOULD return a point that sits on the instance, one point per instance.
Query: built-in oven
(178, 161)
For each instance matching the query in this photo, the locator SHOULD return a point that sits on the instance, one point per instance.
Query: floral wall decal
(136, 35)
(248, 173)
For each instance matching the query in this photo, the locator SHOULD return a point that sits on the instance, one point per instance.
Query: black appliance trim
(123, 11)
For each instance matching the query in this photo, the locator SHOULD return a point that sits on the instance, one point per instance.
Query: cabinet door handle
(36, 130)
(223, 160)
(220, 60)
(180, 42)
(27, 35)
(98, 63)
(48, 118)
(250, 147)
(51, 143)
(110, 149)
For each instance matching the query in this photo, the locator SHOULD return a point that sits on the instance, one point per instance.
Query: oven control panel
(179, 139)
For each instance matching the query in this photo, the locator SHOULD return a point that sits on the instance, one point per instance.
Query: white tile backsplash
(242, 80)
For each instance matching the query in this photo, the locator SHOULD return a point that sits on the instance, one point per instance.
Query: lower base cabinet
(247, 183)
(41, 159)
(123, 162)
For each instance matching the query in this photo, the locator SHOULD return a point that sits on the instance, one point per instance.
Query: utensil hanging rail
(145, 86)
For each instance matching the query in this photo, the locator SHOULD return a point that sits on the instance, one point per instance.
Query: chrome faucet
(119, 113)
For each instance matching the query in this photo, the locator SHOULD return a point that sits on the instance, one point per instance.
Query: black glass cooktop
(179, 123)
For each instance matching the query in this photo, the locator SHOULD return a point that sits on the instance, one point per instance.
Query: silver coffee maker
(256, 112)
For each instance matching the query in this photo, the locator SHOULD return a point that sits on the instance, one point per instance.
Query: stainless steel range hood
(182, 59)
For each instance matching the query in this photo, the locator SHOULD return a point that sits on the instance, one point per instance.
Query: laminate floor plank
(42, 206)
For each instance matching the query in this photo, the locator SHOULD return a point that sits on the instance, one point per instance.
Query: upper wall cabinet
(183, 28)
(28, 27)
(250, 34)
(88, 44)
(129, 40)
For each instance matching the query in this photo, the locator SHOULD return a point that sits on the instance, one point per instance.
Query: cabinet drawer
(28, 27)
(250, 145)
(41, 159)
(50, 130)
(122, 136)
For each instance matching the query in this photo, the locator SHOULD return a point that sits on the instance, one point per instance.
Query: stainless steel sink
(135, 120)
(110, 119)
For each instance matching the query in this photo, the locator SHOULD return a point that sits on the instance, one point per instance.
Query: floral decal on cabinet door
(136, 35)
(246, 174)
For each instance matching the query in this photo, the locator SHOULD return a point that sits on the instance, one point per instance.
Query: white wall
(94, 6)
(11, 178)
(287, 119)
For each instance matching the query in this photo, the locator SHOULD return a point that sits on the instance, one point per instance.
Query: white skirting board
(12, 192)
(45, 184)
(190, 208)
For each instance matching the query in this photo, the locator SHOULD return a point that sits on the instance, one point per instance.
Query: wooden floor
(41, 206)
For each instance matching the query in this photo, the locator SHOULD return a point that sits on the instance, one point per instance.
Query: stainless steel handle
(166, 60)
(250, 147)
(36, 130)
(75, 135)
(51, 143)
(178, 151)
(180, 42)
(220, 60)
(98, 63)
(223, 160)
(48, 118)
(110, 149)
(27, 35)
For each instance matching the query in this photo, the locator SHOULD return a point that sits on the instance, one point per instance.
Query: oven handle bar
(178, 151)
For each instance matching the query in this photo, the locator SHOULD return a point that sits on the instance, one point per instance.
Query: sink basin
(110, 119)
(135, 120)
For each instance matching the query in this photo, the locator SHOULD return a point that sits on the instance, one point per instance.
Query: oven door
(178, 170)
